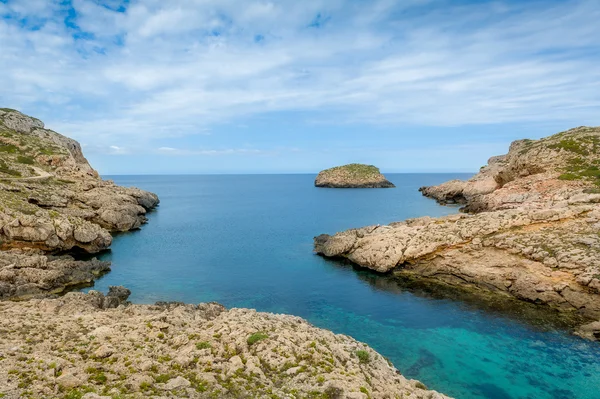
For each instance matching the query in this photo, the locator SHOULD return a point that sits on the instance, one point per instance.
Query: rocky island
(352, 176)
(53, 205)
(531, 230)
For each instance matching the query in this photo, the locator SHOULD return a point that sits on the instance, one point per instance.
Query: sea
(247, 241)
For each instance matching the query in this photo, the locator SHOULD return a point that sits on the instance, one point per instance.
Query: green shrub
(26, 159)
(363, 356)
(162, 378)
(257, 336)
(8, 148)
(203, 345)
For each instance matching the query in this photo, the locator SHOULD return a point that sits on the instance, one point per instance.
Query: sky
(255, 86)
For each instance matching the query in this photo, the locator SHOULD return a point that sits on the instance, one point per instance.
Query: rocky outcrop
(352, 176)
(53, 202)
(534, 231)
(534, 174)
(93, 346)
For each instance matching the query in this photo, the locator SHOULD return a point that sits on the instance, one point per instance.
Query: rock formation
(91, 346)
(352, 176)
(53, 202)
(533, 230)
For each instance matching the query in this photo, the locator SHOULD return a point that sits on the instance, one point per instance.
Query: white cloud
(165, 69)
(211, 152)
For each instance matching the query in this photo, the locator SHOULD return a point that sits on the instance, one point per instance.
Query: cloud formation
(133, 72)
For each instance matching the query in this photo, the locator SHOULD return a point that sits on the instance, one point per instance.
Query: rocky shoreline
(532, 232)
(52, 203)
(352, 176)
(95, 346)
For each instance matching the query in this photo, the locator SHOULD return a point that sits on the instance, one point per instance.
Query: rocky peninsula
(54, 205)
(352, 176)
(94, 346)
(531, 230)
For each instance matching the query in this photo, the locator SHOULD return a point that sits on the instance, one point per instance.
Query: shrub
(162, 378)
(26, 159)
(363, 356)
(203, 345)
(257, 336)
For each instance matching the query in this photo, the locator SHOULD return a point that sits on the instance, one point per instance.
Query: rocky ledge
(352, 176)
(533, 232)
(52, 202)
(93, 346)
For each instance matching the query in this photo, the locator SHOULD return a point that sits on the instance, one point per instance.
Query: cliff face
(352, 176)
(534, 235)
(534, 174)
(51, 202)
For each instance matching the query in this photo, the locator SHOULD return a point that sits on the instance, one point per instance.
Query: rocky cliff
(52, 202)
(92, 346)
(533, 231)
(352, 176)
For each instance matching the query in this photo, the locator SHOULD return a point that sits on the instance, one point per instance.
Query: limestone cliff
(534, 234)
(53, 202)
(352, 176)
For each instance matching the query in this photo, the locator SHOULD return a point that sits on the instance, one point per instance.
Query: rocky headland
(94, 346)
(352, 176)
(531, 230)
(53, 204)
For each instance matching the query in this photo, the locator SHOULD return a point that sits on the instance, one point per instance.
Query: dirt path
(42, 175)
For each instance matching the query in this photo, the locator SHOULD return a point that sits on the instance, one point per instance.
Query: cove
(246, 241)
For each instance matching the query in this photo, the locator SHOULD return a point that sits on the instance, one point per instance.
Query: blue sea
(246, 241)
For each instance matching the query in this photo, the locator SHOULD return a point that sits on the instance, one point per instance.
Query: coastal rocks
(535, 234)
(52, 201)
(138, 351)
(534, 173)
(590, 331)
(352, 176)
(24, 276)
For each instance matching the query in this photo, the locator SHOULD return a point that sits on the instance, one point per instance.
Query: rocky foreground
(352, 176)
(533, 231)
(52, 202)
(81, 346)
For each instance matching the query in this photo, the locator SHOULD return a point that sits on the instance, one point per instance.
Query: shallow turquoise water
(246, 241)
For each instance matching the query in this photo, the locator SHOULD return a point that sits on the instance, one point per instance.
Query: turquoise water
(246, 241)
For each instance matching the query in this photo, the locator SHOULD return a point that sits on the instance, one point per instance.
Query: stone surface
(533, 231)
(352, 176)
(52, 201)
(59, 358)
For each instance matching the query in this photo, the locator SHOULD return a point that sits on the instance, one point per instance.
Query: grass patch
(25, 159)
(9, 148)
(257, 336)
(570, 145)
(6, 170)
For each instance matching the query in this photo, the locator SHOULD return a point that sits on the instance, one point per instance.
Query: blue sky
(255, 86)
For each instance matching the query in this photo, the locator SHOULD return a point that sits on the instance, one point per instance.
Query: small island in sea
(353, 175)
